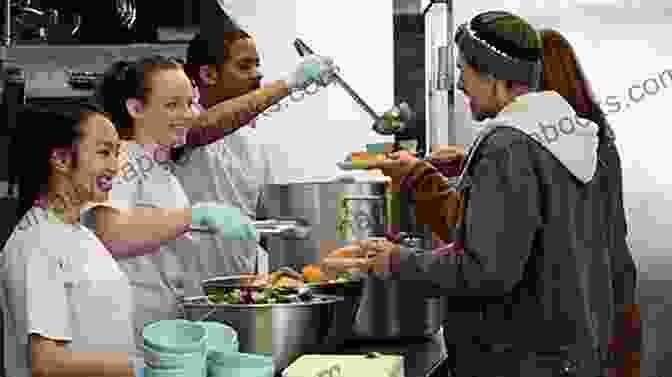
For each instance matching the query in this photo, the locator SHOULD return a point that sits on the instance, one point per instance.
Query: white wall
(311, 136)
(618, 48)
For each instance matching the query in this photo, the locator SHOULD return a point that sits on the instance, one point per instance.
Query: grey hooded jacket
(545, 266)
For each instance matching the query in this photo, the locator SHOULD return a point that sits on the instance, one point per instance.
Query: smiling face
(97, 160)
(166, 109)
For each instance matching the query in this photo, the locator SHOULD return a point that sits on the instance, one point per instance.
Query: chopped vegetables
(312, 273)
(250, 296)
(283, 286)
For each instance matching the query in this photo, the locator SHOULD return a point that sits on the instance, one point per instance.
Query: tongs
(380, 124)
(288, 228)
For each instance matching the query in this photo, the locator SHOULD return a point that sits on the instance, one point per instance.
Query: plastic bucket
(241, 365)
(175, 336)
(152, 372)
(165, 360)
(221, 338)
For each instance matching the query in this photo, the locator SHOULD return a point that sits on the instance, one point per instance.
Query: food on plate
(312, 273)
(366, 156)
(286, 278)
(287, 282)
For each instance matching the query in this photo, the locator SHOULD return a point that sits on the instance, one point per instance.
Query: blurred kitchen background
(379, 46)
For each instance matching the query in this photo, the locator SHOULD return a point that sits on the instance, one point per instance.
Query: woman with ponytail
(68, 308)
(563, 74)
(145, 224)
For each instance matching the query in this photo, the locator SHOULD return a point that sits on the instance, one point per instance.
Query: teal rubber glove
(313, 69)
(229, 222)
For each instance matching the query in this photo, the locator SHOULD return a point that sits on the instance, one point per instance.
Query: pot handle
(199, 299)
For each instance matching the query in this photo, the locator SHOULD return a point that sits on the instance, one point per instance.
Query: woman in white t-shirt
(67, 304)
(146, 222)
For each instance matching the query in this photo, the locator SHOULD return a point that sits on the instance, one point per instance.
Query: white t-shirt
(231, 171)
(157, 278)
(60, 282)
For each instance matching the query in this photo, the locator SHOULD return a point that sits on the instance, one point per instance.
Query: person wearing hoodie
(530, 269)
(563, 73)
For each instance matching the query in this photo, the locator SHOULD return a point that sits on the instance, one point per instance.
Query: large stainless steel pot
(285, 331)
(339, 212)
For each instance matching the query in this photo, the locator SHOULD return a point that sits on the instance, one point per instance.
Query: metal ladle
(381, 125)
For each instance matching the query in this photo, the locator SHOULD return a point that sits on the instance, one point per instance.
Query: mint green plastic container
(240, 365)
(221, 338)
(166, 360)
(152, 372)
(175, 336)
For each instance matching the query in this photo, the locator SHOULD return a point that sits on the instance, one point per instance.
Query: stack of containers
(175, 348)
(180, 348)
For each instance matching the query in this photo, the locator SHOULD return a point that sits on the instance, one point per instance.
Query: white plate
(347, 165)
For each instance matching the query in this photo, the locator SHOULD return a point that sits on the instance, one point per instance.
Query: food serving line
(355, 321)
(314, 326)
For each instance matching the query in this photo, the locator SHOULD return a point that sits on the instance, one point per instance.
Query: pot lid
(346, 177)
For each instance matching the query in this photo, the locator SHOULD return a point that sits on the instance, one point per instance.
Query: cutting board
(346, 366)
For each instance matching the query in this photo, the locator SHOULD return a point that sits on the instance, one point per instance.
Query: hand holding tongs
(288, 228)
(392, 123)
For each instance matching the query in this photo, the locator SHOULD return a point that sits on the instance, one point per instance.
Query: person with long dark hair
(67, 304)
(563, 74)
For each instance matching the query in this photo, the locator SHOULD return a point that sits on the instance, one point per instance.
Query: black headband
(500, 64)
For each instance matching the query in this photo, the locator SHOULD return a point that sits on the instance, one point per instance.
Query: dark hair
(508, 33)
(213, 47)
(57, 129)
(563, 74)
(124, 80)
(210, 49)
